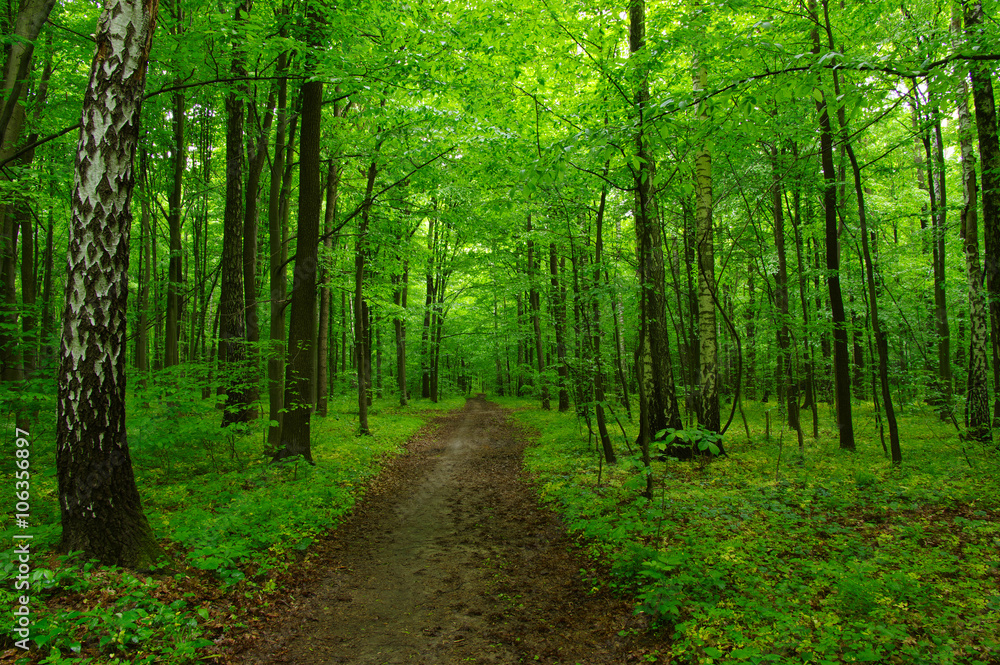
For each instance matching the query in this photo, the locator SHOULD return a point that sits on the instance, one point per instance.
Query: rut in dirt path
(450, 560)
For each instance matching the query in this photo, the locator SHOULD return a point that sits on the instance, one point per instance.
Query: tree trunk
(425, 338)
(179, 165)
(101, 511)
(989, 155)
(233, 349)
(277, 254)
(295, 429)
(362, 357)
(977, 396)
(602, 426)
(256, 157)
(841, 353)
(558, 304)
(142, 334)
(657, 398)
(401, 283)
(941, 386)
(535, 305)
(939, 216)
(790, 392)
(32, 16)
(323, 341)
(707, 328)
(809, 398)
(881, 343)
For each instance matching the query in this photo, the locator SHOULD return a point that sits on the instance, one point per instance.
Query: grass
(231, 521)
(773, 554)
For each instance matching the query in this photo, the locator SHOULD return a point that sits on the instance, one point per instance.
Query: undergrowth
(230, 520)
(775, 554)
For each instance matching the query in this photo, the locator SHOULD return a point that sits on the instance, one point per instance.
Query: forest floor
(449, 558)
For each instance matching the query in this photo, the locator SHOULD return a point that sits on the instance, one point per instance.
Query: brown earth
(450, 559)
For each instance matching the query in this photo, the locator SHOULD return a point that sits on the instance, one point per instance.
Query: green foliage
(229, 517)
(696, 439)
(832, 558)
(117, 613)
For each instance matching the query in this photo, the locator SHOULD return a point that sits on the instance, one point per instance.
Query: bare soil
(449, 559)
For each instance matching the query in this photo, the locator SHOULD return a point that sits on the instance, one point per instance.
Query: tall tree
(977, 411)
(786, 373)
(232, 303)
(535, 304)
(841, 353)
(100, 506)
(362, 357)
(881, 343)
(599, 397)
(295, 428)
(705, 241)
(657, 399)
(174, 273)
(277, 251)
(557, 302)
(323, 337)
(989, 170)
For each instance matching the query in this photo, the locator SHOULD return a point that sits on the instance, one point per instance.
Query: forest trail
(449, 559)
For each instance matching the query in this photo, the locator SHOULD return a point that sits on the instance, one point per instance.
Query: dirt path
(449, 559)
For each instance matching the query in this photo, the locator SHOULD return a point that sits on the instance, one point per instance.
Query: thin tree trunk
(142, 334)
(881, 343)
(401, 284)
(559, 320)
(362, 358)
(276, 272)
(841, 355)
(809, 398)
(602, 426)
(790, 392)
(323, 341)
(256, 157)
(534, 302)
(425, 338)
(174, 276)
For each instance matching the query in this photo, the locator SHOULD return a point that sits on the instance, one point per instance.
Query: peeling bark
(100, 506)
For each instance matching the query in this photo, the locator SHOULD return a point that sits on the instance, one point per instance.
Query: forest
(723, 277)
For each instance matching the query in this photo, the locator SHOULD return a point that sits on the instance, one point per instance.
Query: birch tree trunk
(708, 415)
(977, 395)
(989, 155)
(99, 503)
